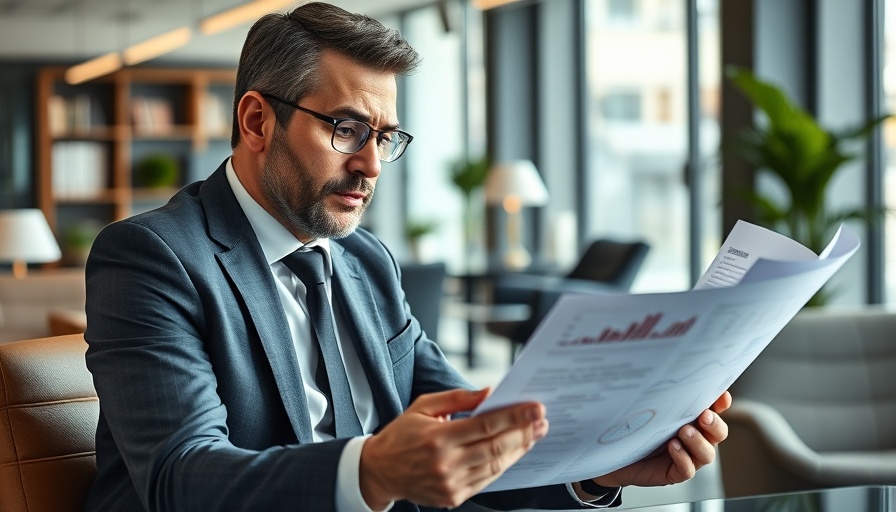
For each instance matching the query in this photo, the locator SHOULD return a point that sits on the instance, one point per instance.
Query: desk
(477, 315)
(843, 499)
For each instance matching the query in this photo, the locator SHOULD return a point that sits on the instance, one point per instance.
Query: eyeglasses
(350, 135)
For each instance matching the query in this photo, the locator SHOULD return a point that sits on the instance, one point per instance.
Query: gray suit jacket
(201, 401)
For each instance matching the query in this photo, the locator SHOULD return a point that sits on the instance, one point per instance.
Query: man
(203, 335)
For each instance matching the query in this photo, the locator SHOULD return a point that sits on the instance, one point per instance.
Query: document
(620, 374)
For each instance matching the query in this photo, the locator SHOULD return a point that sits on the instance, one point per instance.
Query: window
(637, 141)
(436, 113)
(621, 106)
(889, 147)
(622, 11)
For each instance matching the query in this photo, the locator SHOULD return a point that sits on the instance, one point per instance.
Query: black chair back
(611, 262)
(422, 284)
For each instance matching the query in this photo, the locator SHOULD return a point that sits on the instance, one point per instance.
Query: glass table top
(843, 499)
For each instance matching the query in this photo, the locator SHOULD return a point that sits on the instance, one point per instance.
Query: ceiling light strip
(484, 5)
(242, 14)
(93, 68)
(156, 46)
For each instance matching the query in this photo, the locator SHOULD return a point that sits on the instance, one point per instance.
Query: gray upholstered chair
(817, 409)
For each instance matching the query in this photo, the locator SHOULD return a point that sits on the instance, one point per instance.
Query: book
(79, 169)
(152, 116)
(74, 115)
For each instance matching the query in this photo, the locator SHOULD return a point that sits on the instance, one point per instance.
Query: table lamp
(514, 185)
(25, 237)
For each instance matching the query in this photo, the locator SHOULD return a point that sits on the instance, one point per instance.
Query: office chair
(817, 408)
(48, 415)
(611, 262)
(422, 284)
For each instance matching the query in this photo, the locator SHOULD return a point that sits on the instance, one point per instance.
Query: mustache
(349, 184)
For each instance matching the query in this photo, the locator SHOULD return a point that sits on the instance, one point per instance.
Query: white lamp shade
(25, 236)
(518, 179)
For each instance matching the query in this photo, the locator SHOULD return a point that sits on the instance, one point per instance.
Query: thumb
(445, 403)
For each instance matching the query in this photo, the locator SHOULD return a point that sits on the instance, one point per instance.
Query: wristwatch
(594, 489)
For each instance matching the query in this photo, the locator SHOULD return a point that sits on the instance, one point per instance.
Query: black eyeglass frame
(335, 121)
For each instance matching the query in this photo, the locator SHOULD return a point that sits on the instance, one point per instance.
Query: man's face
(316, 191)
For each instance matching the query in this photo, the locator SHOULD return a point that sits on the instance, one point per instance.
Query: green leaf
(469, 175)
(791, 147)
(417, 229)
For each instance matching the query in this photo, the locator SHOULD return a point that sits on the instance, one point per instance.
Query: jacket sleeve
(161, 418)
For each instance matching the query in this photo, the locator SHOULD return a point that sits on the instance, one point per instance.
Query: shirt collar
(275, 240)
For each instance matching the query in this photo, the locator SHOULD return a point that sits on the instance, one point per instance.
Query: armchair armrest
(775, 432)
(763, 445)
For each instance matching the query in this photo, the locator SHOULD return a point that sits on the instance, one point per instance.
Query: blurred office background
(621, 105)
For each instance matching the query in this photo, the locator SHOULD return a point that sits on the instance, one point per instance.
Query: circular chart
(626, 426)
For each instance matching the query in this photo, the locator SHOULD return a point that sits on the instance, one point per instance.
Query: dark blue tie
(308, 266)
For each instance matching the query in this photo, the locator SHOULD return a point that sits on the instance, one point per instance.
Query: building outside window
(621, 106)
(621, 12)
(444, 110)
(637, 149)
(889, 147)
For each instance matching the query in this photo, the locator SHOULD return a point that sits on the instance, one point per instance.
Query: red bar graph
(646, 329)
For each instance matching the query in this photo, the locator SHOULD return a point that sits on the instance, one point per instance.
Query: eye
(346, 130)
(384, 140)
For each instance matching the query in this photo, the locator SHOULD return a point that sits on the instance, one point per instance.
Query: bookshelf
(94, 141)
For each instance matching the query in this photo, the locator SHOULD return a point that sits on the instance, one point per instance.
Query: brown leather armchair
(48, 415)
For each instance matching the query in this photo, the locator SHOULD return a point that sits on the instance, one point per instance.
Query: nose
(367, 160)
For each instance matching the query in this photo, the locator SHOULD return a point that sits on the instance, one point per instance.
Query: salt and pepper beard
(290, 189)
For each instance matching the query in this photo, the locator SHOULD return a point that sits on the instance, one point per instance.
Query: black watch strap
(595, 490)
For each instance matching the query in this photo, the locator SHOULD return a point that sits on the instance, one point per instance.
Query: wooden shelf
(178, 132)
(99, 119)
(99, 133)
(143, 194)
(101, 197)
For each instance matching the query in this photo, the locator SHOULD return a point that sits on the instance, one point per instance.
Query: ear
(256, 121)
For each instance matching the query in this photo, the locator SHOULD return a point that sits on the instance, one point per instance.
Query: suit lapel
(360, 311)
(245, 265)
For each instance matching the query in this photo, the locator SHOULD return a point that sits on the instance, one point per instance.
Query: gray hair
(281, 55)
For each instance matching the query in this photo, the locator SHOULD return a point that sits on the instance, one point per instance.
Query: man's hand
(693, 448)
(424, 457)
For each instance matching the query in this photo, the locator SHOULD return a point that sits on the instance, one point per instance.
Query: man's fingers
(493, 423)
(714, 428)
(445, 403)
(511, 444)
(682, 465)
(702, 452)
(488, 460)
(722, 403)
(424, 458)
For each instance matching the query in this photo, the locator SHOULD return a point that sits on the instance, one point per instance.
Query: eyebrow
(357, 115)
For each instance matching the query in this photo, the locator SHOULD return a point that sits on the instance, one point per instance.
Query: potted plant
(469, 176)
(803, 157)
(77, 238)
(158, 170)
(414, 231)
